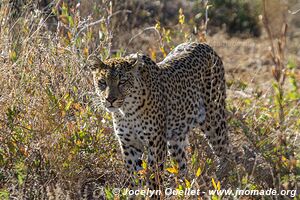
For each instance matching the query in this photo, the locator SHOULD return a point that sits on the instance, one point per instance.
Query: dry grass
(56, 144)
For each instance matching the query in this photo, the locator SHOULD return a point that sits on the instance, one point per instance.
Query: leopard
(154, 106)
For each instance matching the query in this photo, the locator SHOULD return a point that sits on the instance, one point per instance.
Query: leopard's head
(114, 80)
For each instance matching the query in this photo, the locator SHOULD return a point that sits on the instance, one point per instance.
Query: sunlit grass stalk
(278, 57)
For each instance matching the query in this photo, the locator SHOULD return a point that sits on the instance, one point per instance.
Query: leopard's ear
(95, 64)
(134, 61)
(137, 61)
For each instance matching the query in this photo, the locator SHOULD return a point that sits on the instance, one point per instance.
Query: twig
(268, 29)
(278, 58)
(294, 12)
(203, 27)
(206, 17)
(141, 32)
(101, 20)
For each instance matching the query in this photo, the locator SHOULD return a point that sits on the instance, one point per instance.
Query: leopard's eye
(102, 83)
(122, 81)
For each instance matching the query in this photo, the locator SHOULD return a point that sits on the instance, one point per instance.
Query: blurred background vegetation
(56, 143)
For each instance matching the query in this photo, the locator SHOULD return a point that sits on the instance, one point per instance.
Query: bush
(241, 18)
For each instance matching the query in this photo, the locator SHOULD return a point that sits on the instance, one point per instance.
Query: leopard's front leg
(157, 151)
(132, 151)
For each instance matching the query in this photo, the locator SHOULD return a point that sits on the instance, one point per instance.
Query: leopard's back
(193, 85)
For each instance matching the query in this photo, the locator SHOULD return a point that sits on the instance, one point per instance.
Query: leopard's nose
(111, 100)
